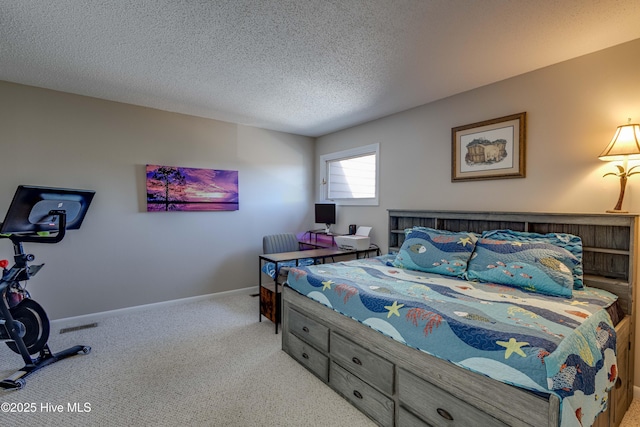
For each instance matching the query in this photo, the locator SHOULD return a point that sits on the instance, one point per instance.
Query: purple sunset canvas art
(171, 188)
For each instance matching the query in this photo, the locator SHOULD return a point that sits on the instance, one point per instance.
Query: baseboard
(636, 392)
(94, 317)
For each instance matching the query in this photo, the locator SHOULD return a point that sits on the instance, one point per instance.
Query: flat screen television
(30, 207)
(326, 214)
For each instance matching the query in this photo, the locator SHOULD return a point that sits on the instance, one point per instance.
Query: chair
(283, 242)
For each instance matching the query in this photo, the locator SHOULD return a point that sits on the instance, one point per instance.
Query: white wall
(123, 256)
(573, 109)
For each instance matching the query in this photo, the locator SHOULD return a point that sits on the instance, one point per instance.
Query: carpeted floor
(632, 417)
(204, 363)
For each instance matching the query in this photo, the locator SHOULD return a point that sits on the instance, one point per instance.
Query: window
(350, 177)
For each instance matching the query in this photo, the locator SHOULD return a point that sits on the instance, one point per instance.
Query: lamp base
(616, 211)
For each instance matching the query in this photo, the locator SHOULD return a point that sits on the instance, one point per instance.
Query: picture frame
(492, 149)
(176, 188)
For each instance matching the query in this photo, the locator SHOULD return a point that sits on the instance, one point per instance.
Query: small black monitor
(30, 207)
(325, 213)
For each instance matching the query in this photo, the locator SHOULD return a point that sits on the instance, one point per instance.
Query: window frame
(348, 154)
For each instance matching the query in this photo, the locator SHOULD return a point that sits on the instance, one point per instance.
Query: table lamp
(624, 146)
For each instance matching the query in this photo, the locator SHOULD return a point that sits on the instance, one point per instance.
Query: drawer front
(407, 419)
(370, 367)
(308, 330)
(437, 407)
(309, 357)
(364, 397)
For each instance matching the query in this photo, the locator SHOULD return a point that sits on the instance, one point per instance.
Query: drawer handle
(357, 394)
(305, 356)
(444, 414)
(305, 329)
(356, 361)
(618, 383)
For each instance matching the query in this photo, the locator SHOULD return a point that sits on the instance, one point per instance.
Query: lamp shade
(625, 144)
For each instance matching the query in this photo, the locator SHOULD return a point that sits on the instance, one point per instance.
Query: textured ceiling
(308, 67)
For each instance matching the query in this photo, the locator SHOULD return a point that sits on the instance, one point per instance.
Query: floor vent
(77, 328)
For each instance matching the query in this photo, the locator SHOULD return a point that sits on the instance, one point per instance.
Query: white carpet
(203, 363)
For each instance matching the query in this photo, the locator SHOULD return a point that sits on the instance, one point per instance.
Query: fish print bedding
(547, 344)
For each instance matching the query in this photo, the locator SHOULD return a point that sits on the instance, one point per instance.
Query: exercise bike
(24, 325)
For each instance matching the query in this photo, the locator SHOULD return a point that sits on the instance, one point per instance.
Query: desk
(270, 296)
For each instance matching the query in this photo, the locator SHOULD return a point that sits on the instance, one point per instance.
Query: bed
(415, 338)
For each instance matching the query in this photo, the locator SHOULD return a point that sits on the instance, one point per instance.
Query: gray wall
(123, 256)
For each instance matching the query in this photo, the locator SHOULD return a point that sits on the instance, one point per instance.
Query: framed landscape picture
(172, 188)
(493, 149)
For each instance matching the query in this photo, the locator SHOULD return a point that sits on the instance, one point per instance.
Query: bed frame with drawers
(396, 385)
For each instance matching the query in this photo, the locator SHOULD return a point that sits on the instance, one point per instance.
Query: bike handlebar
(62, 228)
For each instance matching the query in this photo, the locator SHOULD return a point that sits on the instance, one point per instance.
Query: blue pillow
(570, 242)
(269, 268)
(533, 266)
(435, 251)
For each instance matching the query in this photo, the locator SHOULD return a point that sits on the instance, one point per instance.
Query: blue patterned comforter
(537, 342)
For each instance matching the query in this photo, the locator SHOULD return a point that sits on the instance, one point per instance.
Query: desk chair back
(284, 242)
